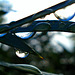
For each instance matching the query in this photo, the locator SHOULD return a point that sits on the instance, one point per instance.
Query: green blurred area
(53, 62)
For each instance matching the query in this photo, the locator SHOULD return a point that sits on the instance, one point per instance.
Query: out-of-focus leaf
(27, 68)
(23, 67)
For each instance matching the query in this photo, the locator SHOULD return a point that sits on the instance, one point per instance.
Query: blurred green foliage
(53, 62)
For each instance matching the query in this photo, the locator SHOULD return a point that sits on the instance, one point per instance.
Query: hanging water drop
(21, 54)
(1, 35)
(24, 35)
(65, 14)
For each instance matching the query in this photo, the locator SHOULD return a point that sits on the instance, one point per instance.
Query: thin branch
(35, 16)
(48, 25)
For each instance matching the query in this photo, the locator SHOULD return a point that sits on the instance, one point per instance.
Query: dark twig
(35, 16)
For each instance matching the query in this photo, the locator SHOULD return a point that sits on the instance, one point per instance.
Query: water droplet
(1, 35)
(21, 54)
(24, 35)
(65, 14)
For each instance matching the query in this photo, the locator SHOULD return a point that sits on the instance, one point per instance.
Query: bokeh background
(57, 48)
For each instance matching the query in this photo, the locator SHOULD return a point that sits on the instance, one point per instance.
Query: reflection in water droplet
(24, 35)
(65, 14)
(1, 35)
(21, 54)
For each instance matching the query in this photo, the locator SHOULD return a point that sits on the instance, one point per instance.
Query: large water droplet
(21, 54)
(24, 35)
(65, 14)
(1, 35)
